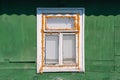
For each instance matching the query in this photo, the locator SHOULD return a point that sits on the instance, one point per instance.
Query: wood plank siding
(18, 36)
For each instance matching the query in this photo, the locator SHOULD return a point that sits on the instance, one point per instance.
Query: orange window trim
(42, 41)
(73, 65)
(74, 17)
(76, 25)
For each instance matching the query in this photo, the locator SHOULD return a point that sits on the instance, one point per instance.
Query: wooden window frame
(42, 29)
(61, 16)
(60, 63)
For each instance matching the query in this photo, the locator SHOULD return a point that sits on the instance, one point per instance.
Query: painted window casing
(49, 22)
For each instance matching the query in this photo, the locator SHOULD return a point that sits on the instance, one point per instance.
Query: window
(60, 40)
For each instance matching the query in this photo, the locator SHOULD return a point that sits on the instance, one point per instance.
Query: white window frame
(40, 48)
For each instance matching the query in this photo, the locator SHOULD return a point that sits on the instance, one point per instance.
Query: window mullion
(60, 49)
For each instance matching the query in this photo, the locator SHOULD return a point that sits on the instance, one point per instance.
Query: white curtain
(69, 48)
(58, 23)
(52, 46)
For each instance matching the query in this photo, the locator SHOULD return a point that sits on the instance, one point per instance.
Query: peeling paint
(42, 41)
(78, 28)
(61, 16)
(75, 28)
(70, 65)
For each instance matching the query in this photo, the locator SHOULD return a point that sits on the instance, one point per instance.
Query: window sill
(62, 69)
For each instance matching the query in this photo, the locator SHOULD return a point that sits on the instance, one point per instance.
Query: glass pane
(51, 55)
(60, 23)
(69, 48)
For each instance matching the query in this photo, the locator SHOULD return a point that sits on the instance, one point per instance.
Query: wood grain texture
(18, 40)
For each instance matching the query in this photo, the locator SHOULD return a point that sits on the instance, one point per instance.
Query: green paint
(18, 40)
(4, 65)
(99, 66)
(18, 37)
(99, 37)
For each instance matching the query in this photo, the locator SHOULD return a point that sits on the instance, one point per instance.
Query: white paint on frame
(41, 11)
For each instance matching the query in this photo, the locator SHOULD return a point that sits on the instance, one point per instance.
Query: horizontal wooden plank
(117, 49)
(117, 63)
(98, 76)
(116, 21)
(5, 65)
(17, 37)
(117, 68)
(116, 76)
(117, 40)
(99, 66)
(20, 74)
(77, 76)
(17, 74)
(117, 60)
(99, 38)
(117, 35)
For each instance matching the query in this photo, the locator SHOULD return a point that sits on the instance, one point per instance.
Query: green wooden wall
(18, 40)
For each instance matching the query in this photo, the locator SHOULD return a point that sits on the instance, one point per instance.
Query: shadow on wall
(28, 7)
